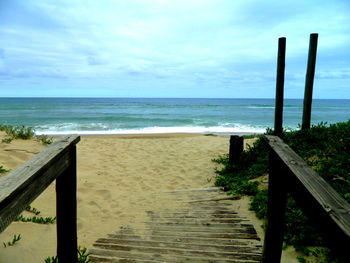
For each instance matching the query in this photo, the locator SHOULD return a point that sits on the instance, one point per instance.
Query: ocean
(56, 116)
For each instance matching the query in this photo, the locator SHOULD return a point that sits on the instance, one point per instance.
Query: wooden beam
(309, 82)
(236, 148)
(20, 187)
(278, 128)
(66, 211)
(319, 201)
(276, 208)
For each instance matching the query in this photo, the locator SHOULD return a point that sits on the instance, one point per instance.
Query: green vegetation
(7, 140)
(14, 241)
(23, 133)
(325, 148)
(44, 139)
(83, 257)
(3, 170)
(36, 219)
(18, 132)
(32, 210)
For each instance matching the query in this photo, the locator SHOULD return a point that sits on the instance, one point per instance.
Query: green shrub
(44, 139)
(7, 140)
(326, 148)
(3, 170)
(18, 132)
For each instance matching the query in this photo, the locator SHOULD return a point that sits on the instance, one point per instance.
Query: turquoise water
(128, 115)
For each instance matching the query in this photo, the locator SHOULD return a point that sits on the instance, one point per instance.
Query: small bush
(44, 139)
(18, 132)
(7, 140)
(3, 170)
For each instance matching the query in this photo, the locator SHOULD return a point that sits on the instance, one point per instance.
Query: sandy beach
(119, 178)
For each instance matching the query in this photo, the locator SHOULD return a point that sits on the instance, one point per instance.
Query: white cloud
(215, 41)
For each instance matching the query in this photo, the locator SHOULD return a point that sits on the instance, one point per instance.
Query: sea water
(161, 115)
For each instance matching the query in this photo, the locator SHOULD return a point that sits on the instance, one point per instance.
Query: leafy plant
(14, 241)
(83, 257)
(35, 219)
(51, 259)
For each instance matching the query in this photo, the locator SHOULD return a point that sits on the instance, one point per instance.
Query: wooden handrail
(19, 188)
(327, 210)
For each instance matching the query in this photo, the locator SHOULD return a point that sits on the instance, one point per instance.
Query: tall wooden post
(276, 208)
(309, 81)
(66, 206)
(280, 86)
(236, 148)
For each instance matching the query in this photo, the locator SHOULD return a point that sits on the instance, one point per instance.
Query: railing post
(309, 82)
(278, 128)
(276, 207)
(236, 148)
(66, 206)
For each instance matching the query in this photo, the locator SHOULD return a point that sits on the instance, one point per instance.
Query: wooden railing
(326, 209)
(19, 188)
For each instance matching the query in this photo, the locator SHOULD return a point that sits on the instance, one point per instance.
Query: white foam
(156, 130)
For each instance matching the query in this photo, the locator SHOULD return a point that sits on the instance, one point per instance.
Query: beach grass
(15, 239)
(18, 132)
(24, 133)
(325, 148)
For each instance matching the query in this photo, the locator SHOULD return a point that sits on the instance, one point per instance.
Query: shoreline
(149, 134)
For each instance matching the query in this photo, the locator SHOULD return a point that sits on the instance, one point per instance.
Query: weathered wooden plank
(232, 219)
(170, 229)
(101, 259)
(236, 228)
(328, 210)
(18, 179)
(192, 240)
(201, 225)
(198, 212)
(105, 259)
(200, 235)
(115, 250)
(237, 235)
(198, 215)
(10, 208)
(209, 246)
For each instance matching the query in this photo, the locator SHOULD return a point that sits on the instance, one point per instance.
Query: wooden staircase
(203, 227)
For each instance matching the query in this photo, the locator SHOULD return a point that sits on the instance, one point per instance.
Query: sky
(171, 48)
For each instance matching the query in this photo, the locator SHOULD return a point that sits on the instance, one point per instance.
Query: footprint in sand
(105, 194)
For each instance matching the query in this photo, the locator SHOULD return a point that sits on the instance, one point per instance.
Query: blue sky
(170, 48)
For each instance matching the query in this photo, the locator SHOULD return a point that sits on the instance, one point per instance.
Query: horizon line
(90, 97)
